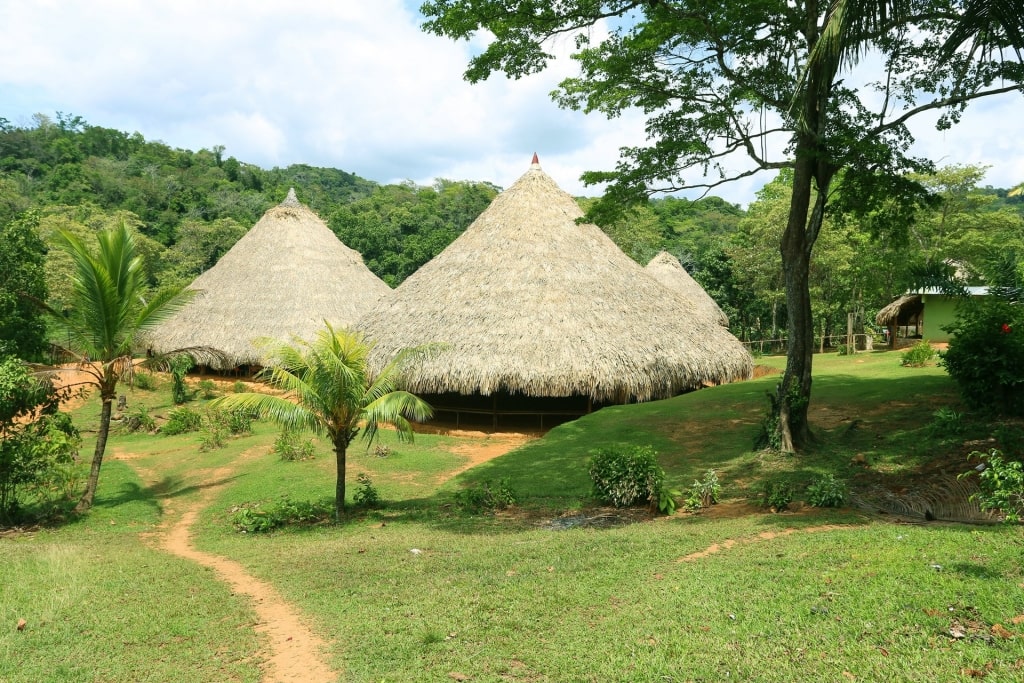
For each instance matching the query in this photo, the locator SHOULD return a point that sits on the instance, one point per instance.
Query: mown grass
(507, 597)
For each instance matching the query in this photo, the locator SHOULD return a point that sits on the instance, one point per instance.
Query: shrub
(208, 388)
(290, 446)
(139, 420)
(624, 477)
(776, 495)
(145, 381)
(366, 494)
(180, 366)
(918, 355)
(986, 356)
(37, 468)
(239, 387)
(182, 421)
(704, 493)
(1002, 484)
(253, 518)
(826, 492)
(485, 497)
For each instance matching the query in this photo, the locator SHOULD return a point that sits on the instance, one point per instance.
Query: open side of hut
(536, 314)
(283, 279)
(903, 317)
(666, 269)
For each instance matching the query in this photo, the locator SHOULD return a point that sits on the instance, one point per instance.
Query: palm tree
(107, 315)
(327, 389)
(989, 25)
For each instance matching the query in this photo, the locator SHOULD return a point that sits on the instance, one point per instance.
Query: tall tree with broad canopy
(328, 390)
(106, 318)
(729, 87)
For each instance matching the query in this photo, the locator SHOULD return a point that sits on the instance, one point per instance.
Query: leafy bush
(208, 388)
(182, 421)
(253, 518)
(139, 420)
(180, 366)
(290, 446)
(826, 492)
(1002, 485)
(145, 381)
(918, 355)
(776, 495)
(986, 356)
(485, 497)
(704, 493)
(947, 422)
(219, 424)
(366, 494)
(239, 387)
(626, 477)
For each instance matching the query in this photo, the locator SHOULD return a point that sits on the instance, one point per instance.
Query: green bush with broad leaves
(986, 356)
(627, 476)
(776, 495)
(1001, 484)
(826, 492)
(486, 497)
(704, 492)
(291, 445)
(182, 420)
(255, 518)
(918, 355)
(366, 494)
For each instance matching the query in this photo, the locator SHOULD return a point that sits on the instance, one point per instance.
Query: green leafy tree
(22, 284)
(38, 444)
(107, 315)
(726, 84)
(328, 390)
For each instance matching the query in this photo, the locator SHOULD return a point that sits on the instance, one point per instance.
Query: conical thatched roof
(666, 269)
(528, 301)
(283, 279)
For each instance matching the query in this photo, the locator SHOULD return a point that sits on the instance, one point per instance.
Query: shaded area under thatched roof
(527, 301)
(902, 311)
(283, 279)
(666, 269)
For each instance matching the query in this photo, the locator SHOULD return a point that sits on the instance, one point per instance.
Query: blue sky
(350, 84)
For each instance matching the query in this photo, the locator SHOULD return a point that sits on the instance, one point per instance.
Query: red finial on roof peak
(535, 159)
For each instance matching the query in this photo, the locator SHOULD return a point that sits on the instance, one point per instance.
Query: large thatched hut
(536, 314)
(283, 279)
(666, 269)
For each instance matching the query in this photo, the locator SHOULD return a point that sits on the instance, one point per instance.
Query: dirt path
(296, 654)
(728, 543)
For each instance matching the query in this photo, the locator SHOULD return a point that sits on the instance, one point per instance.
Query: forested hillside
(189, 208)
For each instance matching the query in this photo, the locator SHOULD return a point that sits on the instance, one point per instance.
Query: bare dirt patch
(762, 537)
(477, 452)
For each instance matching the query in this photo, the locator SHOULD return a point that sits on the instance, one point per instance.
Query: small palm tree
(107, 315)
(328, 390)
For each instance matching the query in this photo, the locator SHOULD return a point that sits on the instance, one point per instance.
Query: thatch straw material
(666, 269)
(890, 315)
(283, 279)
(528, 301)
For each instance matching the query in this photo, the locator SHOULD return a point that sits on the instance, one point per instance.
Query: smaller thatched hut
(666, 269)
(282, 280)
(904, 314)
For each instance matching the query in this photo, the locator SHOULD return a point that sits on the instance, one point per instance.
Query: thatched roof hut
(527, 301)
(902, 311)
(666, 269)
(283, 279)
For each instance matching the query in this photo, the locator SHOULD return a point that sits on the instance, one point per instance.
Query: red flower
(1006, 329)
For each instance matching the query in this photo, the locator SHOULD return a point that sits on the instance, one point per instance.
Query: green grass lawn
(811, 596)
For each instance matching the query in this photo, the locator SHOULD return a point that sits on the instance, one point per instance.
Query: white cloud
(353, 85)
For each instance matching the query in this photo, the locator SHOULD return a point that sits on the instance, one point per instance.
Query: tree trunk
(340, 452)
(795, 389)
(85, 502)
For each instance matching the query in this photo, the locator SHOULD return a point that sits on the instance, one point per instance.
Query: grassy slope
(506, 599)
